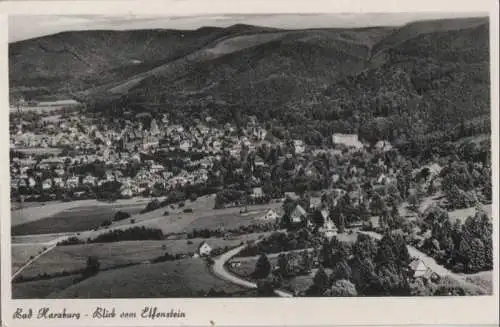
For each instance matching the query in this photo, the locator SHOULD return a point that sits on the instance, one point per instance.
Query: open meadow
(181, 278)
(32, 211)
(22, 253)
(73, 220)
(40, 289)
(72, 258)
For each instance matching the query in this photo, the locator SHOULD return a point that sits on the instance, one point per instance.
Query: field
(182, 278)
(72, 220)
(21, 253)
(39, 151)
(41, 288)
(463, 214)
(73, 257)
(39, 210)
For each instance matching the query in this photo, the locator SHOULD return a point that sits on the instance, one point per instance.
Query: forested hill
(404, 83)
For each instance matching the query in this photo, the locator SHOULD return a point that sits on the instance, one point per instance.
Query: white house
(157, 168)
(328, 229)
(257, 192)
(47, 184)
(270, 215)
(419, 269)
(314, 203)
(298, 215)
(185, 145)
(126, 192)
(348, 140)
(203, 249)
(299, 146)
(383, 146)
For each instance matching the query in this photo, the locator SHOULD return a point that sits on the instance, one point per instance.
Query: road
(219, 269)
(20, 270)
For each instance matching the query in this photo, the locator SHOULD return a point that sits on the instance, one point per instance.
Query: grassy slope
(41, 288)
(73, 257)
(183, 278)
(72, 220)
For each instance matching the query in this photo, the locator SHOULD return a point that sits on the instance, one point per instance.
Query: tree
(414, 202)
(320, 283)
(283, 267)
(364, 247)
(341, 224)
(92, 267)
(341, 271)
(262, 267)
(342, 288)
(378, 205)
(265, 288)
(306, 262)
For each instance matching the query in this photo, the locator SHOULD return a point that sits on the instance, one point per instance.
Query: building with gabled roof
(298, 215)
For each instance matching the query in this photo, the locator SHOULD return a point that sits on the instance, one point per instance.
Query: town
(295, 218)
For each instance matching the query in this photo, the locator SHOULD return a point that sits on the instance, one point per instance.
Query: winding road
(219, 269)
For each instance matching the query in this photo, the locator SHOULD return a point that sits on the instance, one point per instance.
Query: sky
(23, 27)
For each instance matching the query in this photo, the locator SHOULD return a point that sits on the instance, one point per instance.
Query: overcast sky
(26, 27)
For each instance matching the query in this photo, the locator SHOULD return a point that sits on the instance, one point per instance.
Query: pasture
(39, 151)
(181, 278)
(463, 214)
(72, 258)
(75, 219)
(40, 289)
(21, 253)
(33, 211)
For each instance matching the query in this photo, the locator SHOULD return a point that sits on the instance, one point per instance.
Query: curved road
(219, 269)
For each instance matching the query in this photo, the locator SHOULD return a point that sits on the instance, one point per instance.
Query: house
(259, 162)
(328, 229)
(185, 145)
(314, 203)
(299, 146)
(347, 140)
(203, 249)
(292, 196)
(325, 214)
(157, 168)
(257, 192)
(298, 215)
(383, 146)
(418, 269)
(47, 184)
(126, 192)
(270, 215)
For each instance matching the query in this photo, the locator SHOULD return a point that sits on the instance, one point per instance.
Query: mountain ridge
(413, 79)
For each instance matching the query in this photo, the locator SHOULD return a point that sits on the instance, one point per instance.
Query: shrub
(132, 221)
(166, 213)
(130, 234)
(71, 241)
(121, 215)
(188, 210)
(181, 204)
(106, 223)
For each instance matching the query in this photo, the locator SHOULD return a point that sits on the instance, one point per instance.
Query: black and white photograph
(238, 156)
(250, 156)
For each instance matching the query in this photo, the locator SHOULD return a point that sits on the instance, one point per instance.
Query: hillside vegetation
(403, 84)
